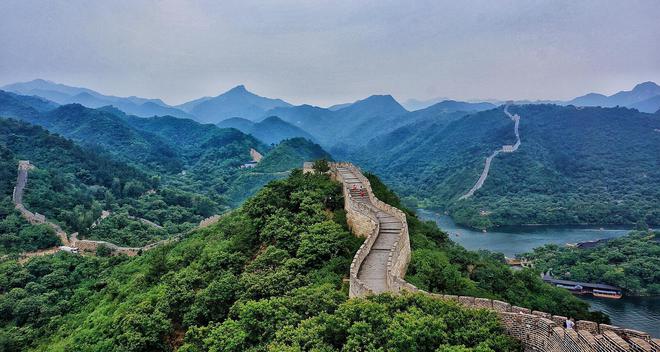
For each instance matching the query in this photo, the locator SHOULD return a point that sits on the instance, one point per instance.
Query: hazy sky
(325, 52)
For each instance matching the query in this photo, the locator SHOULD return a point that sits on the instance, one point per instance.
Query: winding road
(504, 149)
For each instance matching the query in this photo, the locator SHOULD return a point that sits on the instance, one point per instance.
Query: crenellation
(483, 303)
(542, 314)
(634, 333)
(606, 327)
(587, 325)
(501, 306)
(517, 309)
(559, 320)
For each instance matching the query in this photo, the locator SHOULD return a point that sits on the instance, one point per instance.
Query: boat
(606, 294)
(577, 289)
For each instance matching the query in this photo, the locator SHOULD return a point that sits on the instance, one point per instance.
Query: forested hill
(193, 170)
(630, 262)
(270, 130)
(575, 165)
(267, 277)
(69, 184)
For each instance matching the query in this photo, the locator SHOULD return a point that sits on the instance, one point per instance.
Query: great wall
(380, 266)
(81, 244)
(504, 149)
(381, 262)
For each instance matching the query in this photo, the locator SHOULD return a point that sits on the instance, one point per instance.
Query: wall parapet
(538, 331)
(399, 253)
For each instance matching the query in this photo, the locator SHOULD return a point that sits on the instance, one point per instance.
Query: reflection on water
(639, 313)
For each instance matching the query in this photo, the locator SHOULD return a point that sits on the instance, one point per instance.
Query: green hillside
(69, 185)
(268, 276)
(197, 159)
(575, 166)
(271, 130)
(630, 262)
(291, 153)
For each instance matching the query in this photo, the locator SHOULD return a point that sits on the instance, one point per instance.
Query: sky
(328, 52)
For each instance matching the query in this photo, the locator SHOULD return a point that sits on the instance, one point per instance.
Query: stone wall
(92, 246)
(538, 331)
(363, 223)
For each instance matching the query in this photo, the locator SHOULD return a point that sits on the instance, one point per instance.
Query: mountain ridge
(236, 102)
(64, 94)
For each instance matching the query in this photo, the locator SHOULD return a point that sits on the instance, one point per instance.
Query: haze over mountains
(432, 155)
(270, 130)
(236, 102)
(644, 97)
(239, 102)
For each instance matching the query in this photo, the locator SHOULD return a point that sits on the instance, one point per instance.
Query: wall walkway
(505, 149)
(84, 245)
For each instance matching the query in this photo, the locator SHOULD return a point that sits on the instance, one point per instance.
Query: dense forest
(186, 155)
(268, 276)
(172, 172)
(70, 185)
(630, 262)
(575, 166)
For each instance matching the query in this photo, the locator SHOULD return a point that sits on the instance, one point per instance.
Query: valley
(314, 176)
(154, 187)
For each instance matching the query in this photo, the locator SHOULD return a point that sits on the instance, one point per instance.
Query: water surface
(519, 239)
(639, 313)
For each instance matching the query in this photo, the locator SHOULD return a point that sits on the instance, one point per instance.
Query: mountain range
(63, 94)
(432, 154)
(237, 102)
(270, 130)
(644, 97)
(203, 154)
(576, 165)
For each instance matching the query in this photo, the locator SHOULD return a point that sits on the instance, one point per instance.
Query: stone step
(396, 226)
(389, 231)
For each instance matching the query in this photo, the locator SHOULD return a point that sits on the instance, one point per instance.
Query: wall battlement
(538, 331)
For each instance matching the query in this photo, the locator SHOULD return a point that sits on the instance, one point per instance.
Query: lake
(639, 313)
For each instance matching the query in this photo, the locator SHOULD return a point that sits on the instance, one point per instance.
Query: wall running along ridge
(86, 245)
(538, 331)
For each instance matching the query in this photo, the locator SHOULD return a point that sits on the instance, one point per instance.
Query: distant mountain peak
(646, 85)
(238, 89)
(41, 80)
(272, 118)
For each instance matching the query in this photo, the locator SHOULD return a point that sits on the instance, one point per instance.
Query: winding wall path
(86, 245)
(380, 265)
(504, 149)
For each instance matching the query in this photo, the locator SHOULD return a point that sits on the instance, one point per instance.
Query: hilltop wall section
(538, 331)
(85, 245)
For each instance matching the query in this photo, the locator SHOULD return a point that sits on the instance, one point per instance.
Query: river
(639, 313)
